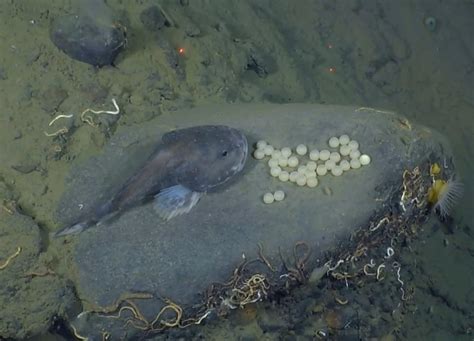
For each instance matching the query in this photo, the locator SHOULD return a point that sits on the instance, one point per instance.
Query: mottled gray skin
(198, 158)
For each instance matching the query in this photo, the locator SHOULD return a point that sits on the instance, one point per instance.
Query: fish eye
(224, 153)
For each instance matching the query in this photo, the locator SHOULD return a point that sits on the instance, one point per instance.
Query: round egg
(353, 144)
(268, 198)
(259, 154)
(301, 149)
(336, 171)
(311, 165)
(261, 144)
(293, 161)
(276, 154)
(279, 195)
(310, 173)
(284, 176)
(345, 165)
(355, 163)
(324, 155)
(283, 161)
(354, 154)
(333, 142)
(335, 156)
(345, 150)
(275, 171)
(364, 159)
(301, 180)
(286, 152)
(312, 182)
(268, 150)
(344, 139)
(294, 176)
(314, 155)
(301, 169)
(329, 164)
(321, 170)
(272, 163)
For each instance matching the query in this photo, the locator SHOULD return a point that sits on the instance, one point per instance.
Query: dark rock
(153, 18)
(3, 74)
(25, 168)
(179, 258)
(52, 98)
(88, 40)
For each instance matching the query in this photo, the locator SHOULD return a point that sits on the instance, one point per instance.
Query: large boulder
(171, 263)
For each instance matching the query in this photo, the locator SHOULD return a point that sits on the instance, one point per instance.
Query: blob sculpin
(185, 165)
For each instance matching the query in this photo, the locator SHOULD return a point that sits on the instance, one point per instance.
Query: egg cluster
(304, 167)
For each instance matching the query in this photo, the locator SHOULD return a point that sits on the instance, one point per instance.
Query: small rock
(52, 98)
(192, 30)
(3, 74)
(317, 274)
(25, 168)
(153, 18)
(87, 39)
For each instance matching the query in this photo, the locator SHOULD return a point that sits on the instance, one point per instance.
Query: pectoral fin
(73, 229)
(174, 201)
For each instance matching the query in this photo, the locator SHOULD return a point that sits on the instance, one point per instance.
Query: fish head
(211, 155)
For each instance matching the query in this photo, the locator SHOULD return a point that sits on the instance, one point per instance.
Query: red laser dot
(181, 50)
(332, 69)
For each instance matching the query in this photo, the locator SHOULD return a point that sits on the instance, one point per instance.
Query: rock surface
(138, 252)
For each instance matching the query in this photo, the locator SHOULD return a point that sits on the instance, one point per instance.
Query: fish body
(186, 164)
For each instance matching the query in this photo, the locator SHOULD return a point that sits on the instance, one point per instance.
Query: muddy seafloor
(375, 54)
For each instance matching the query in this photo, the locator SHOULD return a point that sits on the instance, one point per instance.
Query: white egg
(272, 163)
(345, 150)
(314, 155)
(333, 142)
(353, 144)
(284, 176)
(310, 173)
(329, 164)
(344, 139)
(286, 152)
(354, 154)
(293, 161)
(312, 182)
(261, 144)
(301, 180)
(335, 156)
(275, 171)
(276, 154)
(345, 165)
(259, 154)
(311, 165)
(283, 161)
(301, 149)
(355, 163)
(268, 150)
(268, 198)
(336, 171)
(364, 159)
(321, 170)
(324, 154)
(294, 176)
(301, 169)
(279, 195)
